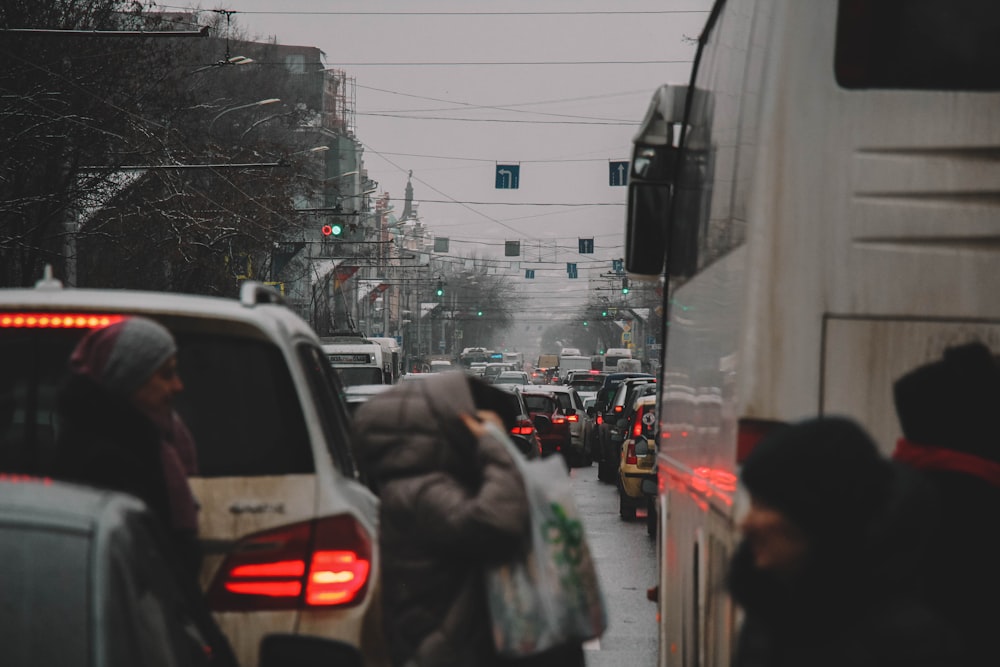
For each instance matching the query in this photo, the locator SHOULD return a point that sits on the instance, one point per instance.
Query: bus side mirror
(651, 182)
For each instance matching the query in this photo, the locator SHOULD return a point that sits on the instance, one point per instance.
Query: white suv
(288, 528)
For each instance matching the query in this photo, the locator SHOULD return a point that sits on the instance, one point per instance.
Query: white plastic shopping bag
(550, 597)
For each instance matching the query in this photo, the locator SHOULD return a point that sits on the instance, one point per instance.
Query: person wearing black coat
(828, 572)
(948, 413)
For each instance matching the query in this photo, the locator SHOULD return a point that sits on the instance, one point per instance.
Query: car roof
(258, 305)
(60, 504)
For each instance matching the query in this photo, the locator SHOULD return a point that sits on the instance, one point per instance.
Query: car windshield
(239, 401)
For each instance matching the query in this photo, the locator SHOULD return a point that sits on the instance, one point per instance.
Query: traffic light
(440, 289)
(604, 313)
(585, 323)
(336, 229)
(624, 285)
(479, 313)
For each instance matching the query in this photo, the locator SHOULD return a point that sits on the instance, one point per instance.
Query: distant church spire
(408, 205)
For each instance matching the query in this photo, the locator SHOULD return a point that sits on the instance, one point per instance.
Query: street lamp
(258, 103)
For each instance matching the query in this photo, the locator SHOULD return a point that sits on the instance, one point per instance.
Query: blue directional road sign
(529, 274)
(508, 176)
(571, 270)
(618, 266)
(618, 172)
(586, 246)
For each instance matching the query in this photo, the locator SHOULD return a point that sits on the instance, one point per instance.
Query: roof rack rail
(253, 293)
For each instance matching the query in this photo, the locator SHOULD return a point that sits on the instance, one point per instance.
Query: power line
(504, 203)
(509, 63)
(609, 12)
(501, 120)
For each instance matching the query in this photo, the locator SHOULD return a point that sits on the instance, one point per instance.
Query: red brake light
(572, 418)
(630, 457)
(57, 320)
(618, 408)
(558, 420)
(637, 428)
(599, 420)
(314, 563)
(523, 427)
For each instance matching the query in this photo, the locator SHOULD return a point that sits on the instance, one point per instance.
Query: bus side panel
(880, 350)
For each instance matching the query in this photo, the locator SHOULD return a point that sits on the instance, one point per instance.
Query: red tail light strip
(57, 320)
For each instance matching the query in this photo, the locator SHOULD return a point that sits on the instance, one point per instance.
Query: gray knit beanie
(121, 357)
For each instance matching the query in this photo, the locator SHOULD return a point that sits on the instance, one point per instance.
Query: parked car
(614, 415)
(637, 464)
(555, 436)
(277, 481)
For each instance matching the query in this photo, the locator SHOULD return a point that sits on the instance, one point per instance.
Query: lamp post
(258, 103)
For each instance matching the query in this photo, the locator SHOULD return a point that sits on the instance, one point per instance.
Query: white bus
(822, 197)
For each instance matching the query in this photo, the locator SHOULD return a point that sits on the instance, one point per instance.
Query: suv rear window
(238, 400)
(539, 403)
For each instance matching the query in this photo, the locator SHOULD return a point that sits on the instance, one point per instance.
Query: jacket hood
(415, 428)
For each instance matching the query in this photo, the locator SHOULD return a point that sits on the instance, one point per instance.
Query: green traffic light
(479, 313)
(585, 323)
(604, 313)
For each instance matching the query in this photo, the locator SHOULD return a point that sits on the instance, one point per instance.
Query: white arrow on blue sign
(617, 173)
(508, 176)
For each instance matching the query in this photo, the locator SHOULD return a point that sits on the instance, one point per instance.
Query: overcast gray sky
(451, 124)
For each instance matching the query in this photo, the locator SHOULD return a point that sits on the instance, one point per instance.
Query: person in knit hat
(118, 428)
(828, 568)
(948, 411)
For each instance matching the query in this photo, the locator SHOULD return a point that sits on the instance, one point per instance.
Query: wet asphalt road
(626, 563)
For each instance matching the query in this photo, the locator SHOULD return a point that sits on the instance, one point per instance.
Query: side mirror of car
(543, 424)
(523, 444)
(591, 411)
(281, 650)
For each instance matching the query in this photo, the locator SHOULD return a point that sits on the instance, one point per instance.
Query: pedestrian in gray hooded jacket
(453, 502)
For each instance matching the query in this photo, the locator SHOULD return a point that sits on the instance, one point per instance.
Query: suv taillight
(523, 427)
(637, 422)
(319, 563)
(630, 457)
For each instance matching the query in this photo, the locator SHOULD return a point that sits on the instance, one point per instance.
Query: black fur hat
(953, 403)
(824, 474)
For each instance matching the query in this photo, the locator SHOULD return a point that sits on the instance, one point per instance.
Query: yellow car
(638, 459)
